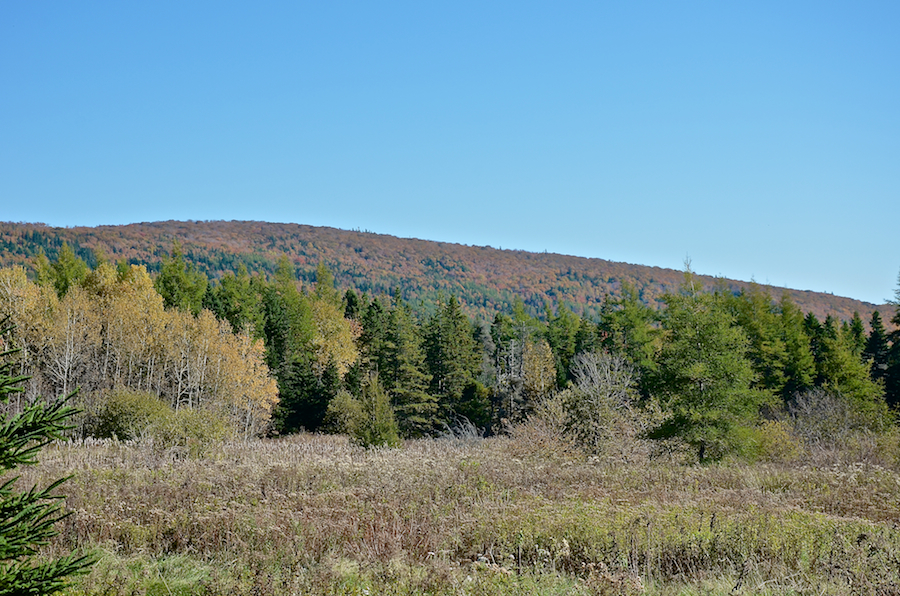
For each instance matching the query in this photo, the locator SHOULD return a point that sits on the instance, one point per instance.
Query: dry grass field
(316, 515)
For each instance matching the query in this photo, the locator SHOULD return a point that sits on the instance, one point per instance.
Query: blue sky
(761, 139)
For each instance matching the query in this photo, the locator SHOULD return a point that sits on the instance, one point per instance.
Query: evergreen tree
(377, 426)
(586, 339)
(816, 334)
(855, 334)
(325, 288)
(705, 376)
(841, 372)
(404, 377)
(562, 335)
(877, 347)
(892, 371)
(799, 366)
(628, 328)
(453, 361)
(29, 518)
(180, 284)
(68, 270)
(289, 329)
(756, 314)
(354, 304)
(237, 299)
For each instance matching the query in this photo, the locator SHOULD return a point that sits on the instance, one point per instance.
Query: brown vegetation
(316, 515)
(485, 279)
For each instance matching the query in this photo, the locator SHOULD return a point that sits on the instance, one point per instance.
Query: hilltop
(485, 279)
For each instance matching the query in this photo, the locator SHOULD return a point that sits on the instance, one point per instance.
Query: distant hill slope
(485, 279)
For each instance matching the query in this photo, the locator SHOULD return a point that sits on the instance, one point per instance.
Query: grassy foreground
(316, 515)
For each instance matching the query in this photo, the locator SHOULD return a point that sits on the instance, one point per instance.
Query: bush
(137, 415)
(822, 419)
(771, 441)
(190, 427)
(125, 414)
(603, 415)
(369, 419)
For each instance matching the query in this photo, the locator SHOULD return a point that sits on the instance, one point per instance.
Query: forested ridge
(184, 358)
(485, 280)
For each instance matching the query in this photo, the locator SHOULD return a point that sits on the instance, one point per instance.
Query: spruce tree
(28, 519)
(628, 328)
(892, 371)
(877, 347)
(181, 285)
(705, 377)
(404, 376)
(800, 366)
(453, 359)
(855, 334)
(758, 317)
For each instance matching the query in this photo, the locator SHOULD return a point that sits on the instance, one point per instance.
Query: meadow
(521, 514)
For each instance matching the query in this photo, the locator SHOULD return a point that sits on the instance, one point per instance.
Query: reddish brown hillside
(485, 279)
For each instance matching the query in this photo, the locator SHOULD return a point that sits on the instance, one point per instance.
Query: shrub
(126, 414)
(137, 415)
(369, 419)
(194, 428)
(823, 419)
(603, 415)
(772, 441)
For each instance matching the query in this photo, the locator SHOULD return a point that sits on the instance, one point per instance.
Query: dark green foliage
(237, 299)
(628, 327)
(799, 366)
(839, 369)
(855, 334)
(705, 378)
(757, 315)
(815, 332)
(562, 335)
(402, 370)
(453, 359)
(354, 305)
(27, 519)
(68, 270)
(181, 285)
(288, 321)
(289, 328)
(877, 347)
(303, 396)
(374, 335)
(892, 371)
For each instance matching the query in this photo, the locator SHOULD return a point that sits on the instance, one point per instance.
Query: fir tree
(704, 376)
(799, 366)
(877, 347)
(180, 284)
(628, 328)
(855, 334)
(453, 360)
(28, 519)
(403, 372)
(562, 334)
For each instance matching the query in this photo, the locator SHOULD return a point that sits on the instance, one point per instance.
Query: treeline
(707, 369)
(485, 280)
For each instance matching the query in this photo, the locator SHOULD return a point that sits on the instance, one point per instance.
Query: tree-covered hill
(484, 279)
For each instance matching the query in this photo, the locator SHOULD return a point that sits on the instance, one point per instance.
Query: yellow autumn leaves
(111, 330)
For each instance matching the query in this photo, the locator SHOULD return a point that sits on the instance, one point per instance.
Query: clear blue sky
(762, 139)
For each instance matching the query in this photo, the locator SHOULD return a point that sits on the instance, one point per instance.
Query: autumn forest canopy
(179, 357)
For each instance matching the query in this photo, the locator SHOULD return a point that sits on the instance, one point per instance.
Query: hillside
(485, 279)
